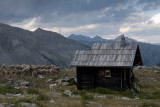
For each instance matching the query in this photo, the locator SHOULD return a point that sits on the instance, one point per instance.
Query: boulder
(41, 76)
(68, 92)
(49, 80)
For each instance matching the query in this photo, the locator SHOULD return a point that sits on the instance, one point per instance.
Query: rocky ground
(27, 90)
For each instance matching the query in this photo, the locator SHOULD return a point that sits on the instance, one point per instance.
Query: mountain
(149, 52)
(19, 46)
(86, 38)
(156, 43)
(126, 38)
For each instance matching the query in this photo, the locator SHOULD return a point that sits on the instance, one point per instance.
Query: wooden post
(78, 82)
(93, 84)
(121, 80)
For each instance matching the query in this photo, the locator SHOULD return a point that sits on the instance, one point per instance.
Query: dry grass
(150, 87)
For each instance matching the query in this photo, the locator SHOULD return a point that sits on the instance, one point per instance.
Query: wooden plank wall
(90, 77)
(113, 82)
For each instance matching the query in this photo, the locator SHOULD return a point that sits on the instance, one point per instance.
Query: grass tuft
(32, 91)
(9, 89)
(43, 98)
(149, 105)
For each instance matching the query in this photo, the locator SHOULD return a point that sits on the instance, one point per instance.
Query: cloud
(107, 18)
(143, 31)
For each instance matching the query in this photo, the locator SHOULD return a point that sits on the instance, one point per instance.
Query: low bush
(149, 105)
(72, 82)
(101, 90)
(9, 89)
(42, 98)
(65, 95)
(32, 91)
(155, 95)
(87, 96)
(79, 92)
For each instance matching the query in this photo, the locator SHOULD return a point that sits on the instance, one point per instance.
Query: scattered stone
(52, 101)
(24, 104)
(65, 83)
(49, 80)
(58, 80)
(40, 76)
(68, 92)
(156, 71)
(102, 97)
(1, 105)
(11, 105)
(24, 83)
(54, 94)
(125, 98)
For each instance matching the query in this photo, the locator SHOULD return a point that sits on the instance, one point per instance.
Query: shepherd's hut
(107, 65)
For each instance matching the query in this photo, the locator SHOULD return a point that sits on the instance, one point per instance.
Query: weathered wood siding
(113, 82)
(91, 77)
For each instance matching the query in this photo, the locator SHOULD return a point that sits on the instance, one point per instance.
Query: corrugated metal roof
(106, 54)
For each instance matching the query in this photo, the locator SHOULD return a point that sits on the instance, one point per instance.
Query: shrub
(42, 98)
(72, 82)
(149, 105)
(87, 97)
(9, 89)
(65, 95)
(32, 91)
(155, 95)
(79, 92)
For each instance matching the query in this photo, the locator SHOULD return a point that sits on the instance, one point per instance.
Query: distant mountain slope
(86, 38)
(126, 38)
(19, 46)
(150, 53)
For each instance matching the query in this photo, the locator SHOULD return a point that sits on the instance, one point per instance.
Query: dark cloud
(18, 10)
(149, 4)
(72, 16)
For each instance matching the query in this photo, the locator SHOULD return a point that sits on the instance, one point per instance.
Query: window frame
(107, 71)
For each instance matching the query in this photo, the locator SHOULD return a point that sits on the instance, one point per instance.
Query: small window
(107, 73)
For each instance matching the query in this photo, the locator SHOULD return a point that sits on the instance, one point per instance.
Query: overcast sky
(138, 19)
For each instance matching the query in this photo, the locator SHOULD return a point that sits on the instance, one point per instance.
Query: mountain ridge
(19, 46)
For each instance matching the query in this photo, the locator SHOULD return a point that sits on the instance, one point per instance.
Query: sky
(137, 19)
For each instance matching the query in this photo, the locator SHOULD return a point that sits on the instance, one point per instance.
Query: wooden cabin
(107, 65)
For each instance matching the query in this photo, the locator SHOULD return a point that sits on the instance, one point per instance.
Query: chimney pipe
(123, 40)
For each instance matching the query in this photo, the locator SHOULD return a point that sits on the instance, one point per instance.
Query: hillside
(23, 90)
(149, 52)
(19, 46)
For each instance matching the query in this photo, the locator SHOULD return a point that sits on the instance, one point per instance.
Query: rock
(68, 92)
(24, 104)
(52, 101)
(156, 71)
(18, 95)
(58, 80)
(125, 98)
(103, 96)
(1, 105)
(49, 80)
(11, 105)
(53, 94)
(40, 76)
(24, 83)
(65, 83)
